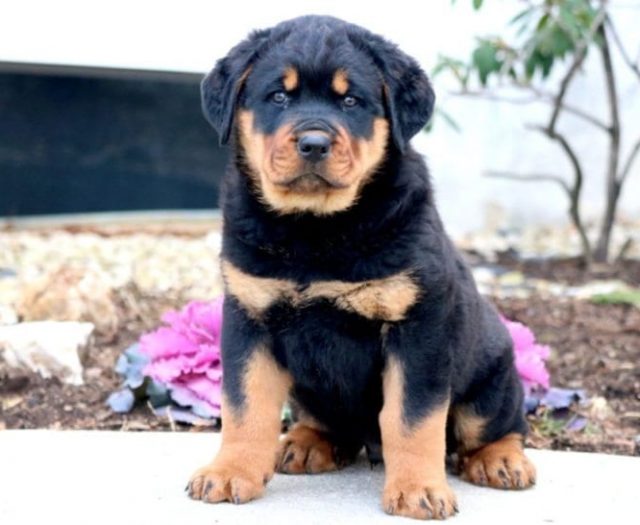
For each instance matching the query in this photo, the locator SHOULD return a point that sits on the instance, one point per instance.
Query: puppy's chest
(385, 299)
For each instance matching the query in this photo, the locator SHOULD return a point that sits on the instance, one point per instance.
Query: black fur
(452, 343)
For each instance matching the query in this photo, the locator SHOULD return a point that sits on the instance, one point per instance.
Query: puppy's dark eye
(349, 102)
(279, 98)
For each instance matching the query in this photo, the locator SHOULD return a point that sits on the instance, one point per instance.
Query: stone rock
(72, 293)
(49, 348)
(599, 408)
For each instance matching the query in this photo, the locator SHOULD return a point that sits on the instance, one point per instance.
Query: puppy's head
(314, 104)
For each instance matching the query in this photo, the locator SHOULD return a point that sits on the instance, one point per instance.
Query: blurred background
(109, 180)
(100, 107)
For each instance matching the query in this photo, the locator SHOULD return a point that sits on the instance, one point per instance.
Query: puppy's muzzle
(314, 140)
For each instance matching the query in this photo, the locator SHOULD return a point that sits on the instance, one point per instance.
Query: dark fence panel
(74, 143)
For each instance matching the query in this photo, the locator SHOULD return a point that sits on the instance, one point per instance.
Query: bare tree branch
(533, 177)
(627, 165)
(558, 100)
(575, 189)
(584, 116)
(498, 98)
(540, 96)
(624, 249)
(551, 132)
(634, 66)
(551, 98)
(579, 56)
(564, 144)
(613, 184)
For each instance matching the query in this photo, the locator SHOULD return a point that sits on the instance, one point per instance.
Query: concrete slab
(138, 478)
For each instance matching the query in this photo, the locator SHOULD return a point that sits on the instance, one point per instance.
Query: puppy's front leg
(413, 426)
(254, 390)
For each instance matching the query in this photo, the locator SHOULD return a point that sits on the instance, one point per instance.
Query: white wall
(190, 35)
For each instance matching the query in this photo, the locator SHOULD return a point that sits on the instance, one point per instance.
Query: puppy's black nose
(314, 147)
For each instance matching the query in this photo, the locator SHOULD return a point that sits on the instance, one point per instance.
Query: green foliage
(626, 296)
(457, 68)
(477, 4)
(486, 60)
(545, 34)
(547, 425)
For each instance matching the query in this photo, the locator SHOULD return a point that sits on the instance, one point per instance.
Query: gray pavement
(93, 478)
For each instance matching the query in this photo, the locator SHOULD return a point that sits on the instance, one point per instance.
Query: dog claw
(190, 489)
(425, 505)
(518, 481)
(504, 478)
(207, 488)
(289, 457)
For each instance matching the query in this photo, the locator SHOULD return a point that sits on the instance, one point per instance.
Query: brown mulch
(571, 270)
(29, 401)
(595, 347)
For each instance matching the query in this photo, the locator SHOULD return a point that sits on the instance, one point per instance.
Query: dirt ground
(595, 347)
(571, 270)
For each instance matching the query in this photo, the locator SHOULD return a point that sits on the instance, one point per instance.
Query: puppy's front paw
(501, 465)
(227, 481)
(421, 500)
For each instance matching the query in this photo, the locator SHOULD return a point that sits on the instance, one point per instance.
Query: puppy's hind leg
(306, 449)
(490, 429)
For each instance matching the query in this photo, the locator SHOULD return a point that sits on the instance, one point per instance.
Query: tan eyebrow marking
(290, 78)
(340, 82)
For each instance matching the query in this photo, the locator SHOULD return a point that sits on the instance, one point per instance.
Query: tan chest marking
(387, 299)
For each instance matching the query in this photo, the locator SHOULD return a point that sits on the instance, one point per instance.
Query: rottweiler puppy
(344, 295)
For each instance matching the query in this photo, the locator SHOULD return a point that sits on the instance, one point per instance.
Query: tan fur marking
(501, 465)
(246, 460)
(290, 78)
(372, 151)
(252, 144)
(415, 479)
(468, 428)
(305, 449)
(256, 294)
(340, 82)
(273, 162)
(388, 299)
(243, 77)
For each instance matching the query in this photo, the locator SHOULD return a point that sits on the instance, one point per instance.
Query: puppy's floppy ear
(221, 88)
(408, 93)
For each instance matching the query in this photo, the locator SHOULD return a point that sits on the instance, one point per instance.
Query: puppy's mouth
(311, 182)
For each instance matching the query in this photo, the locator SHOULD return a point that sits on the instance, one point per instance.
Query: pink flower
(185, 356)
(530, 357)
